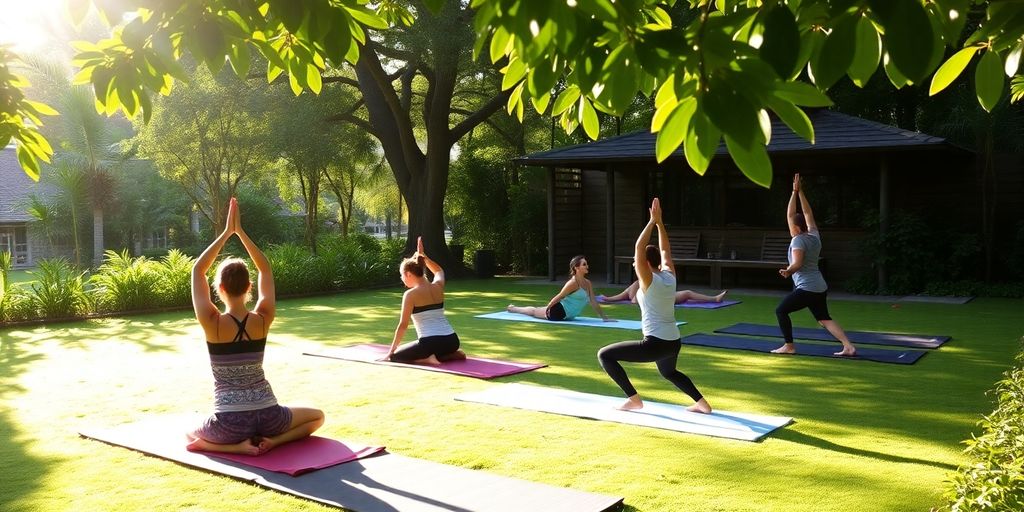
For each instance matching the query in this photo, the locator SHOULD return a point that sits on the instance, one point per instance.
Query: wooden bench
(774, 255)
(684, 245)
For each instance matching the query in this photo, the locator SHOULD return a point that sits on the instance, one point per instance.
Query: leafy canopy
(715, 67)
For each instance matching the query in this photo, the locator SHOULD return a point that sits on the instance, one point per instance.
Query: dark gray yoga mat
(803, 349)
(381, 483)
(869, 337)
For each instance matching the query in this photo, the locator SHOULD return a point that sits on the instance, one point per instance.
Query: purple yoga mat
(303, 456)
(165, 436)
(471, 367)
(688, 304)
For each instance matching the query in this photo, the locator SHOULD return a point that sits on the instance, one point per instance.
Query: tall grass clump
(994, 480)
(292, 266)
(59, 290)
(124, 283)
(5, 285)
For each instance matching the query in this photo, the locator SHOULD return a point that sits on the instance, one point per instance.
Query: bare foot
(245, 447)
(458, 355)
(632, 403)
(720, 296)
(847, 351)
(265, 445)
(509, 308)
(431, 360)
(702, 407)
(787, 348)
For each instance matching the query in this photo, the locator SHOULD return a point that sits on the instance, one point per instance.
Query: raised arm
(805, 206)
(791, 208)
(432, 265)
(266, 302)
(664, 244)
(206, 311)
(640, 265)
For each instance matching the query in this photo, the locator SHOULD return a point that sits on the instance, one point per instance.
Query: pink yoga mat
(471, 367)
(688, 304)
(165, 436)
(309, 454)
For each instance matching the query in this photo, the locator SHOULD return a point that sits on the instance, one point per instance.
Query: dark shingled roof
(833, 131)
(15, 187)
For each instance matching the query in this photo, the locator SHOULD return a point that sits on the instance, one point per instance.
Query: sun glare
(29, 25)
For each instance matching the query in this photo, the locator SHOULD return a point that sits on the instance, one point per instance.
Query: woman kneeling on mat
(246, 417)
(656, 274)
(681, 296)
(569, 302)
(424, 303)
(809, 287)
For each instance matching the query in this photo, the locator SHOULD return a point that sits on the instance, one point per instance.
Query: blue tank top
(574, 302)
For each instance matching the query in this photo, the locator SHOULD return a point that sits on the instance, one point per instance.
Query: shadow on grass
(21, 471)
(795, 436)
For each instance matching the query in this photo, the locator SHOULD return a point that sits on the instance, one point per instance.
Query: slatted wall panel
(568, 211)
(595, 212)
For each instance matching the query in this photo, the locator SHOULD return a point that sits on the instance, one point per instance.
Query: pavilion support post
(609, 228)
(551, 223)
(883, 221)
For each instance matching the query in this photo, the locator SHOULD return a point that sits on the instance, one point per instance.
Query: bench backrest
(775, 247)
(685, 244)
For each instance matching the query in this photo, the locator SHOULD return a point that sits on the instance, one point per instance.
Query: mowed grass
(867, 436)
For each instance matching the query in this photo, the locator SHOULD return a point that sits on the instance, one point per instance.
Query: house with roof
(726, 228)
(17, 235)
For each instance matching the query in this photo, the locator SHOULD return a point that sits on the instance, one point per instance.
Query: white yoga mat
(733, 425)
(585, 321)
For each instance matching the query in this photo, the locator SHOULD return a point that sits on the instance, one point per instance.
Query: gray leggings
(663, 352)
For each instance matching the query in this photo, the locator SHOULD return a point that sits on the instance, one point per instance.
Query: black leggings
(423, 348)
(663, 352)
(797, 300)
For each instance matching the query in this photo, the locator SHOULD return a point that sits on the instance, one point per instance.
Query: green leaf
(293, 82)
(367, 17)
(673, 132)
(752, 160)
(731, 112)
(211, 43)
(239, 57)
(28, 162)
(908, 36)
(500, 44)
(514, 72)
(803, 94)
(766, 125)
(793, 116)
(337, 43)
(434, 5)
(951, 69)
(810, 43)
(781, 40)
(701, 141)
(836, 54)
(588, 117)
(313, 78)
(867, 53)
(41, 108)
(989, 80)
(895, 77)
(1013, 60)
(954, 15)
(273, 70)
(541, 104)
(565, 100)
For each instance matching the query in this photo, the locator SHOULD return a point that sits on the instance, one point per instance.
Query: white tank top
(429, 320)
(658, 306)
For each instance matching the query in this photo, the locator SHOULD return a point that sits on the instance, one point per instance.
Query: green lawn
(20, 277)
(867, 436)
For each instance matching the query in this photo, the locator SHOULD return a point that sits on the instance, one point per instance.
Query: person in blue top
(569, 302)
(809, 287)
(656, 296)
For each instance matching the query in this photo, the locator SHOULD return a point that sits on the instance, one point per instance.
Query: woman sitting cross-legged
(246, 416)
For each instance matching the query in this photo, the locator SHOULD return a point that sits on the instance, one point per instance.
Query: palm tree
(89, 143)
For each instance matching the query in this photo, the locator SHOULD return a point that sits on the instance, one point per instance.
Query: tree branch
(480, 115)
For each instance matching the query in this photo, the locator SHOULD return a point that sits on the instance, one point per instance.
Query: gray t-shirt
(809, 276)
(658, 306)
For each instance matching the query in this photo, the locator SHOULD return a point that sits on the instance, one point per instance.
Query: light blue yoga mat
(733, 425)
(585, 321)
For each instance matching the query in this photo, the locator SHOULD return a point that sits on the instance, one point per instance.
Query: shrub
(5, 285)
(174, 282)
(994, 480)
(291, 264)
(124, 283)
(59, 290)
